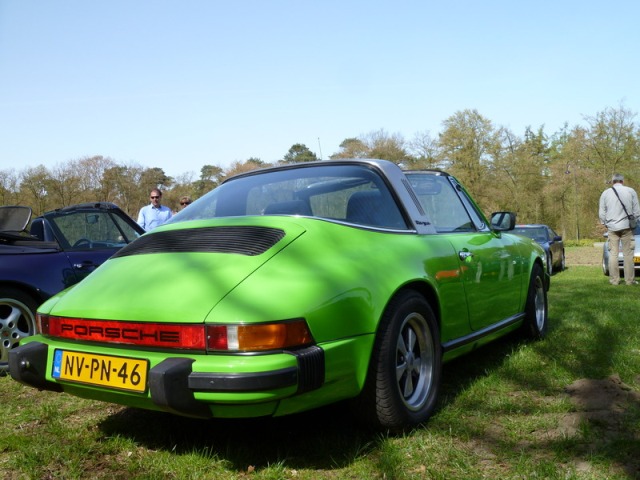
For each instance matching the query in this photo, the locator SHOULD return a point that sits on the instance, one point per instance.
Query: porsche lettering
(113, 333)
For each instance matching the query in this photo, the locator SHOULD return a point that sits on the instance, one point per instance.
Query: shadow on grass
(325, 438)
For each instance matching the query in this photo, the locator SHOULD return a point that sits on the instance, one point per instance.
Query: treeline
(554, 179)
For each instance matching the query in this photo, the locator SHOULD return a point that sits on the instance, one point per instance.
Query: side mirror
(557, 238)
(503, 221)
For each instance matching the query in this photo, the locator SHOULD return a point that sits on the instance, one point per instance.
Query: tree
(64, 184)
(241, 167)
(33, 188)
(425, 151)
(8, 187)
(299, 153)
(210, 178)
(517, 175)
(155, 178)
(351, 148)
(126, 181)
(388, 147)
(377, 144)
(613, 142)
(468, 146)
(91, 171)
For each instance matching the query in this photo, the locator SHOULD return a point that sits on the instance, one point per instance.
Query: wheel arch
(422, 287)
(38, 295)
(547, 275)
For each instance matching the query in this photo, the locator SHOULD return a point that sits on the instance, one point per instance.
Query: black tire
(17, 320)
(404, 374)
(536, 321)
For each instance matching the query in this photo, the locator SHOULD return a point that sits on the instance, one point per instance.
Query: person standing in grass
(619, 212)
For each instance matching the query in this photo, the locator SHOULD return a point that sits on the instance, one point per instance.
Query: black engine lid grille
(242, 240)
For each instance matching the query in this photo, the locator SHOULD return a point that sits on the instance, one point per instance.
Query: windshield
(94, 229)
(348, 193)
(539, 234)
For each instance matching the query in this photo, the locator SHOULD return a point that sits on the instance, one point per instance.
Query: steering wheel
(82, 242)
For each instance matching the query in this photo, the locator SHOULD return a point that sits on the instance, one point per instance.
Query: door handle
(85, 266)
(464, 255)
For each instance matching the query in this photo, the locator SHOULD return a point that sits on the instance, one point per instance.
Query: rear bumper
(173, 385)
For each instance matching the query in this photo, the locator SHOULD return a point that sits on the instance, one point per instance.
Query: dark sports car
(549, 240)
(39, 258)
(289, 288)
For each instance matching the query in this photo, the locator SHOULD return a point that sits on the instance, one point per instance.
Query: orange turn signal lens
(258, 337)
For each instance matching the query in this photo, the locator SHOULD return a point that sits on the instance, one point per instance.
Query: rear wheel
(17, 321)
(403, 380)
(536, 310)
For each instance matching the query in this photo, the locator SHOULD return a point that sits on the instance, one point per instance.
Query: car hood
(179, 272)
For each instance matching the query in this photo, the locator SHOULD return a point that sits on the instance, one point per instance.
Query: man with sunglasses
(154, 214)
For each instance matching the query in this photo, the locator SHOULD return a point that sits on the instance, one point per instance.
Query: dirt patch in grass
(583, 255)
(603, 412)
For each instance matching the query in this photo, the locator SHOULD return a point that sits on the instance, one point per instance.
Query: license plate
(121, 373)
(636, 259)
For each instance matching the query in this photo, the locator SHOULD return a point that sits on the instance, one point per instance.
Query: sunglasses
(185, 203)
(155, 196)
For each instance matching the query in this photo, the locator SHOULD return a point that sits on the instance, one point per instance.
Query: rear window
(347, 193)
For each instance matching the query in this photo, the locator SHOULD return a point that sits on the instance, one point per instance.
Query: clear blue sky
(180, 84)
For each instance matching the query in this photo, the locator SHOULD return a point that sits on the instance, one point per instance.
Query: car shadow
(325, 438)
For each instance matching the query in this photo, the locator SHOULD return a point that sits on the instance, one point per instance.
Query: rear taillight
(258, 337)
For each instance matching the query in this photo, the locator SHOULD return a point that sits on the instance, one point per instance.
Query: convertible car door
(491, 269)
(491, 272)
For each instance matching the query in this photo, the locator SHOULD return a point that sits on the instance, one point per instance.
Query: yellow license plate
(121, 373)
(636, 259)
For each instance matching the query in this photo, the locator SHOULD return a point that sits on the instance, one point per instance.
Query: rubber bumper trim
(243, 382)
(306, 376)
(168, 385)
(28, 365)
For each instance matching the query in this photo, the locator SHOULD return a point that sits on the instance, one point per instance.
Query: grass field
(567, 407)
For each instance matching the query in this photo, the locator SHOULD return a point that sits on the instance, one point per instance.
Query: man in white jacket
(619, 212)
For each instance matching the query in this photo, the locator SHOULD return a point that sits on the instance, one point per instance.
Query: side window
(91, 230)
(476, 216)
(441, 203)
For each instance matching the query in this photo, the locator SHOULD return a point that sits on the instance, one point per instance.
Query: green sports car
(293, 287)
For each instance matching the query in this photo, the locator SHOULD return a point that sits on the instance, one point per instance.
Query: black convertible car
(39, 258)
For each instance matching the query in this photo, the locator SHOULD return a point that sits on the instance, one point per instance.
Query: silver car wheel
(16, 322)
(414, 361)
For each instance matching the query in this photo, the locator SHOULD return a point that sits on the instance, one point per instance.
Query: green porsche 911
(293, 287)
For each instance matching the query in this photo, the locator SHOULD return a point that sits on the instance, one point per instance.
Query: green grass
(505, 412)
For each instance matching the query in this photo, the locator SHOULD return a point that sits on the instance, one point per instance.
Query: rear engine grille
(242, 240)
